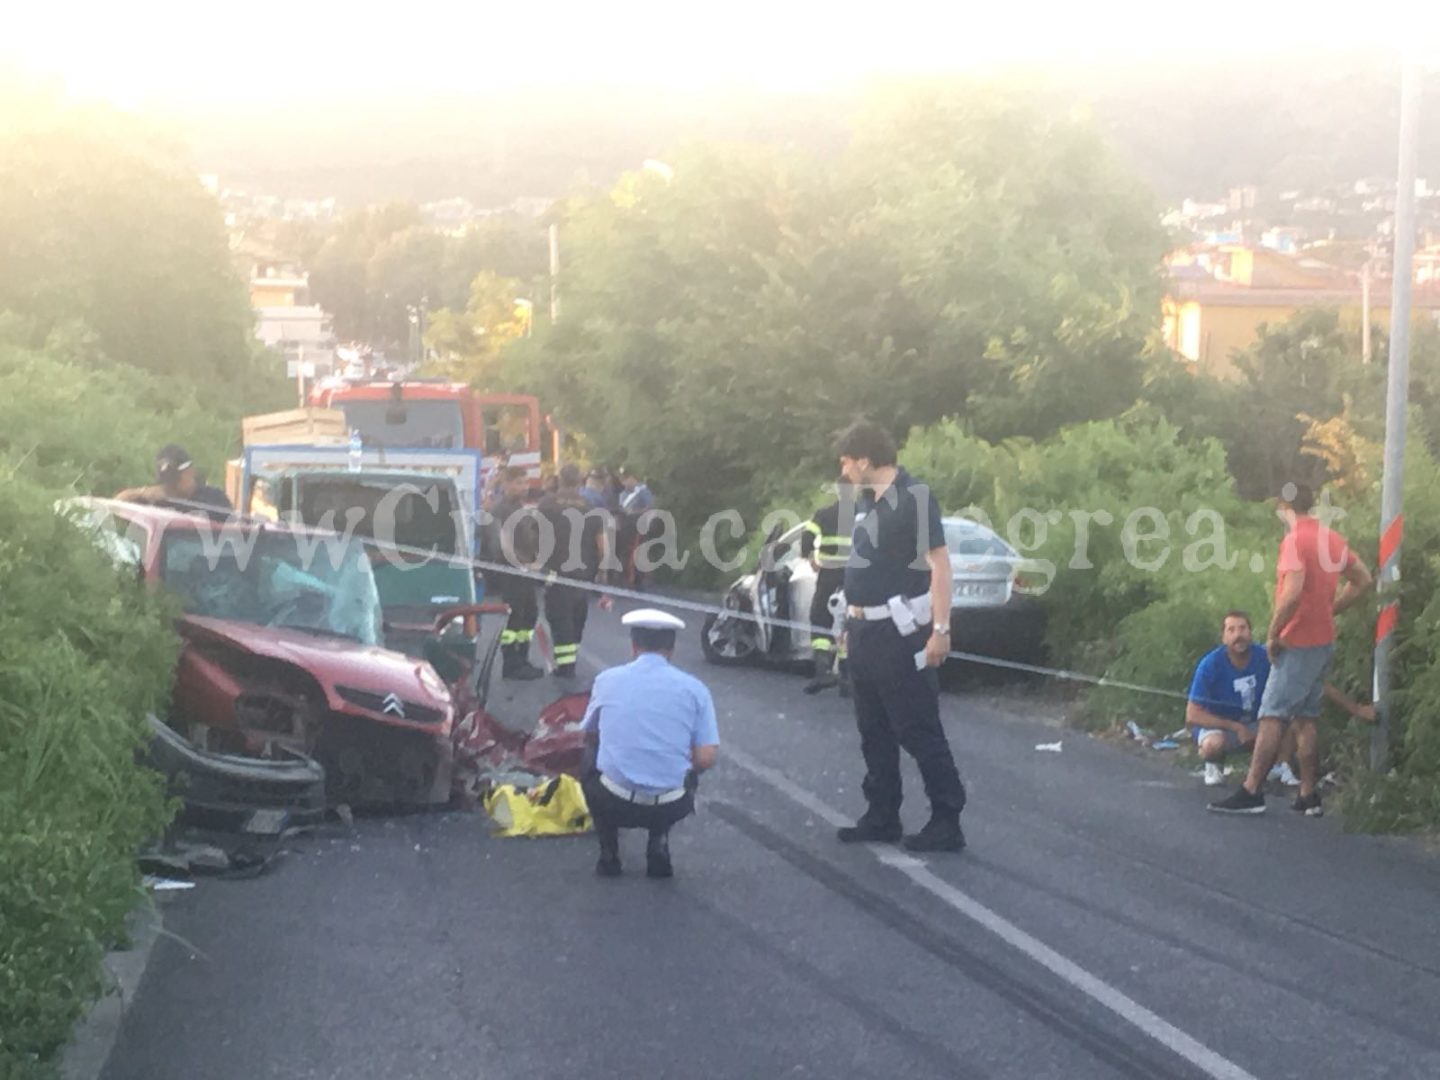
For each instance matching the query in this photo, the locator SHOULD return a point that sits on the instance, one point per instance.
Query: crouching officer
(827, 546)
(897, 587)
(652, 729)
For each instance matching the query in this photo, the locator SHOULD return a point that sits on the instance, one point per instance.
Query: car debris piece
(1050, 747)
(234, 793)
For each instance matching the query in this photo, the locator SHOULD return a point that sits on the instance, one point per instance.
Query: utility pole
(554, 272)
(1392, 494)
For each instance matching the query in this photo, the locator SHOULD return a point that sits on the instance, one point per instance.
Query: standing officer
(897, 587)
(827, 546)
(653, 731)
(578, 532)
(511, 537)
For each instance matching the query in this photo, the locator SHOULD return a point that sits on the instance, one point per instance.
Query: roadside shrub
(70, 423)
(85, 652)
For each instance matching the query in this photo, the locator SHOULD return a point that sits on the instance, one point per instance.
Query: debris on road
(163, 884)
(556, 807)
(235, 793)
(1050, 747)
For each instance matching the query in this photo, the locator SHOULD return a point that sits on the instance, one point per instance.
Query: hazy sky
(266, 53)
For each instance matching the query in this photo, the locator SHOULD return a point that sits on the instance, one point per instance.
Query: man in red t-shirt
(1301, 643)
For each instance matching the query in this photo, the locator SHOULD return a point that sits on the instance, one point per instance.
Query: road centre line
(1129, 1010)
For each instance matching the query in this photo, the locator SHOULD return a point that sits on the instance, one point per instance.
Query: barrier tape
(542, 577)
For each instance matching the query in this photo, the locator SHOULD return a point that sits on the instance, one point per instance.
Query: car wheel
(726, 640)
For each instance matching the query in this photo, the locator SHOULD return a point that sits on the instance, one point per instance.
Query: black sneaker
(1309, 805)
(939, 834)
(1239, 802)
(608, 867)
(869, 830)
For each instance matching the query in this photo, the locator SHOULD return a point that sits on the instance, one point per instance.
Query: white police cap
(651, 619)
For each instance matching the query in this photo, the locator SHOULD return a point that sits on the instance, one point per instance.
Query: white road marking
(1159, 1029)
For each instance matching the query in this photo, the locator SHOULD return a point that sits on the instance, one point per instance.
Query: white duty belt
(639, 797)
(919, 607)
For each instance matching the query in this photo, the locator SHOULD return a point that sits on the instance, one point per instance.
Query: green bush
(85, 652)
(72, 424)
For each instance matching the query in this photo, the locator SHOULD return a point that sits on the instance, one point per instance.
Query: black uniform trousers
(566, 609)
(898, 706)
(822, 623)
(518, 591)
(612, 813)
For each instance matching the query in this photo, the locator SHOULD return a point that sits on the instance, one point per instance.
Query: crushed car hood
(333, 661)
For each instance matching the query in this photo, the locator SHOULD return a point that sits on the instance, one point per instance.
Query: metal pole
(554, 272)
(1392, 506)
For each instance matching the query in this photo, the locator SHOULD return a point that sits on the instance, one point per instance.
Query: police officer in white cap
(652, 730)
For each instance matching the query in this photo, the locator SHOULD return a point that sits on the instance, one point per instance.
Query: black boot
(871, 828)
(657, 856)
(845, 689)
(941, 833)
(564, 671)
(609, 864)
(516, 662)
(824, 677)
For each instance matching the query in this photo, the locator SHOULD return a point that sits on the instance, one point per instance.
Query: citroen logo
(393, 706)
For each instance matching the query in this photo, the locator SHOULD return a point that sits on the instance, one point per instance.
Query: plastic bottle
(357, 450)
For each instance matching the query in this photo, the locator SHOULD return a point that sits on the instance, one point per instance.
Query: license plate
(979, 591)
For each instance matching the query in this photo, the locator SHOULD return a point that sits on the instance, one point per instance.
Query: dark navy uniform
(897, 699)
(577, 529)
(518, 590)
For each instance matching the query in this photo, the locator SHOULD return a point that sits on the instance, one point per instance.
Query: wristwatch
(943, 631)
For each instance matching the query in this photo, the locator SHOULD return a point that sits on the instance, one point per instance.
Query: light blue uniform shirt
(650, 715)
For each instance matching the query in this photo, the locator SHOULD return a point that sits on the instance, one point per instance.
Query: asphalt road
(1101, 924)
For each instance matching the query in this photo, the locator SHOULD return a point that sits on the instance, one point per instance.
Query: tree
(1296, 376)
(965, 258)
(104, 227)
(468, 343)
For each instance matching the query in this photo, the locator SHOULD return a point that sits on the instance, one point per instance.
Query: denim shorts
(1297, 682)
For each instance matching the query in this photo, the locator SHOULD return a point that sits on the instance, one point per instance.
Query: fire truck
(440, 415)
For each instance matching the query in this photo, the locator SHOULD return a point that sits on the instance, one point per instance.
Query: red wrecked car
(284, 648)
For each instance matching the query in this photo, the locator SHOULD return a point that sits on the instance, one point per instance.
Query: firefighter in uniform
(897, 590)
(827, 546)
(511, 536)
(579, 532)
(651, 729)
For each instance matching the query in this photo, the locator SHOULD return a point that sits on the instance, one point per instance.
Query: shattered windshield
(266, 577)
(402, 513)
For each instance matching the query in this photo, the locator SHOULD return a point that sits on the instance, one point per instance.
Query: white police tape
(543, 577)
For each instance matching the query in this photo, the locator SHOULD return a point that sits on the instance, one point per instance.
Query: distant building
(301, 334)
(278, 285)
(1286, 239)
(1243, 198)
(1219, 298)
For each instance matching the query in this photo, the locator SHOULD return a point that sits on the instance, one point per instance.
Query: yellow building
(279, 291)
(1217, 301)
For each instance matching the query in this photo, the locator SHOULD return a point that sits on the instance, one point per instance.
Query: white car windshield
(270, 578)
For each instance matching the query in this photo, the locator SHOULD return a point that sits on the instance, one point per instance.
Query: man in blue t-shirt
(1225, 695)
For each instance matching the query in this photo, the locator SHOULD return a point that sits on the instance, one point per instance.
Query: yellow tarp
(554, 808)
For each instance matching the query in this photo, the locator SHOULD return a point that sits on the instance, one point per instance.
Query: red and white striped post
(1392, 495)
